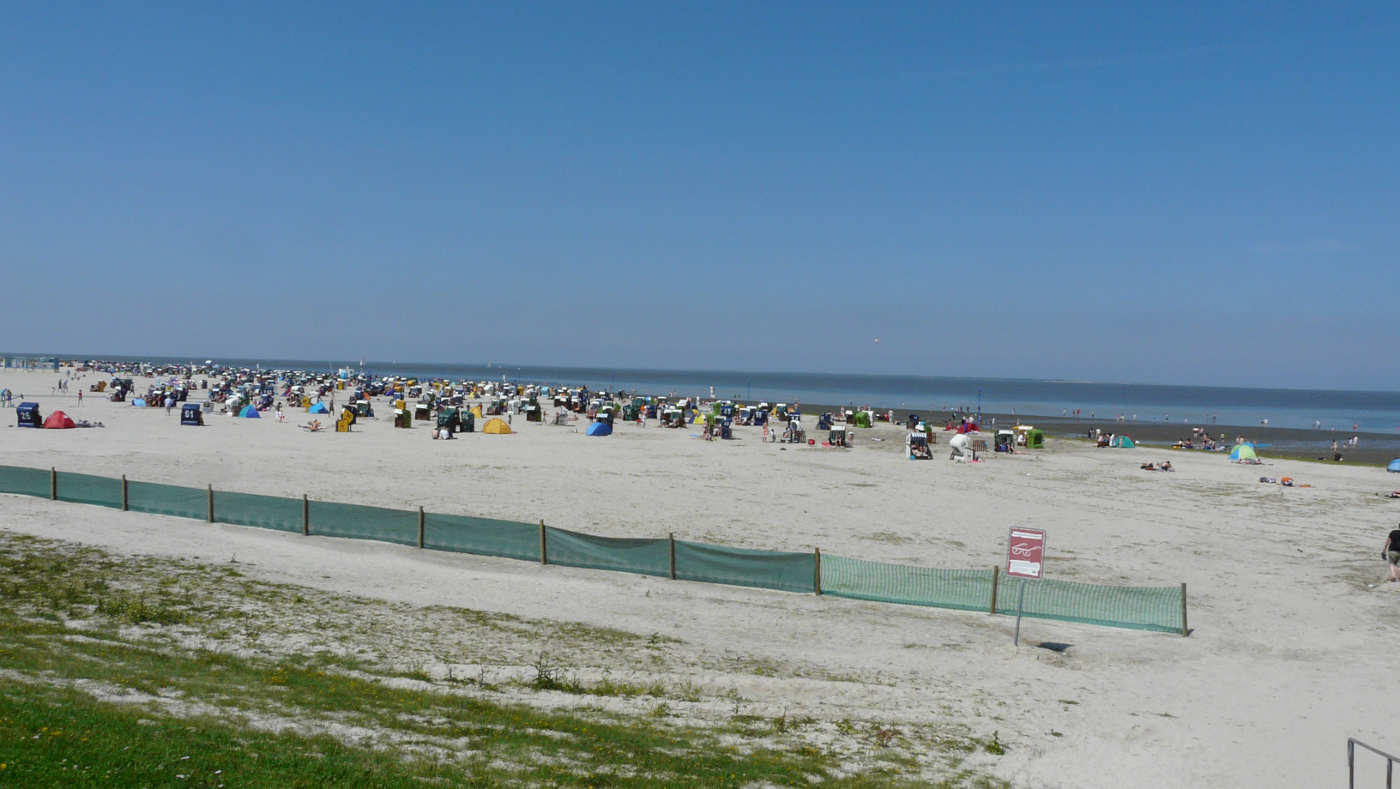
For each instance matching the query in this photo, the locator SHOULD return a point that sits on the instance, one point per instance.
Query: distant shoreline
(1299, 442)
(1374, 449)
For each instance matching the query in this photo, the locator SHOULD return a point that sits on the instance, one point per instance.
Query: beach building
(30, 362)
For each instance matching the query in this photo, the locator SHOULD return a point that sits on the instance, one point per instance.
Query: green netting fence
(24, 481)
(251, 509)
(481, 536)
(894, 583)
(89, 489)
(1146, 608)
(647, 557)
(1139, 607)
(331, 519)
(791, 572)
(161, 499)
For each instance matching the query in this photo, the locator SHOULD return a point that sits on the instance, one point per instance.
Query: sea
(1343, 411)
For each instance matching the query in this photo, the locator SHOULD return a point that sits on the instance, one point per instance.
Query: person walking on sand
(1391, 554)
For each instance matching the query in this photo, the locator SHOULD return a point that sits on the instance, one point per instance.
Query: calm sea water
(1375, 412)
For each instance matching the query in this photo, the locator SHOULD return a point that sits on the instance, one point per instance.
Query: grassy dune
(138, 671)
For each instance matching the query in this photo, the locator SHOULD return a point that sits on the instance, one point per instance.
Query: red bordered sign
(1025, 555)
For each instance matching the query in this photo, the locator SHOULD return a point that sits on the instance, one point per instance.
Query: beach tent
(249, 412)
(58, 421)
(496, 427)
(1242, 452)
(598, 429)
(1394, 466)
(1123, 442)
(318, 408)
(139, 402)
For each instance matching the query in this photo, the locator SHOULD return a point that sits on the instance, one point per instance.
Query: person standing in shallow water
(1391, 554)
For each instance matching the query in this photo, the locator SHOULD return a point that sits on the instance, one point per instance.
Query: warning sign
(1026, 554)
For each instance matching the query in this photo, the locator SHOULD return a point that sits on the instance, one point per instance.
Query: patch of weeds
(608, 687)
(688, 692)
(657, 639)
(134, 609)
(549, 676)
(780, 723)
(883, 736)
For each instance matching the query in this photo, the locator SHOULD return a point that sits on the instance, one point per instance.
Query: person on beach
(1391, 554)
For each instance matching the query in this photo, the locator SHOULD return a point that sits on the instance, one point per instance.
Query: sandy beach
(1290, 617)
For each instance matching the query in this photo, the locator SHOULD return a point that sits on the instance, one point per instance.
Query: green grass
(52, 735)
(136, 671)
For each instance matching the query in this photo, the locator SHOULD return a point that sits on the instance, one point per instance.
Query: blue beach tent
(1243, 452)
(599, 429)
(249, 412)
(1394, 466)
(318, 408)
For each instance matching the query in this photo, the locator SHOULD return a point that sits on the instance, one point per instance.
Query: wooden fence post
(996, 574)
(124, 500)
(817, 570)
(211, 503)
(544, 549)
(305, 516)
(672, 539)
(53, 483)
(420, 527)
(1185, 631)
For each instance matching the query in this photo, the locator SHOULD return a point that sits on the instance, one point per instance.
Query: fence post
(420, 527)
(996, 575)
(817, 570)
(672, 539)
(544, 549)
(123, 493)
(1351, 763)
(305, 516)
(211, 503)
(53, 484)
(1185, 631)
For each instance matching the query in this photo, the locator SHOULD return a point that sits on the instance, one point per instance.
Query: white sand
(1290, 619)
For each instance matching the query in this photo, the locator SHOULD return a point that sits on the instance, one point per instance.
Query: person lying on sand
(313, 426)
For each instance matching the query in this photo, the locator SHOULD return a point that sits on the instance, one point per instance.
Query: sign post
(1025, 558)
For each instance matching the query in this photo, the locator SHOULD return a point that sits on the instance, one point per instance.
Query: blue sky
(1204, 193)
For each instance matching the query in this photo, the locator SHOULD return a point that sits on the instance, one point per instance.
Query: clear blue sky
(1197, 194)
